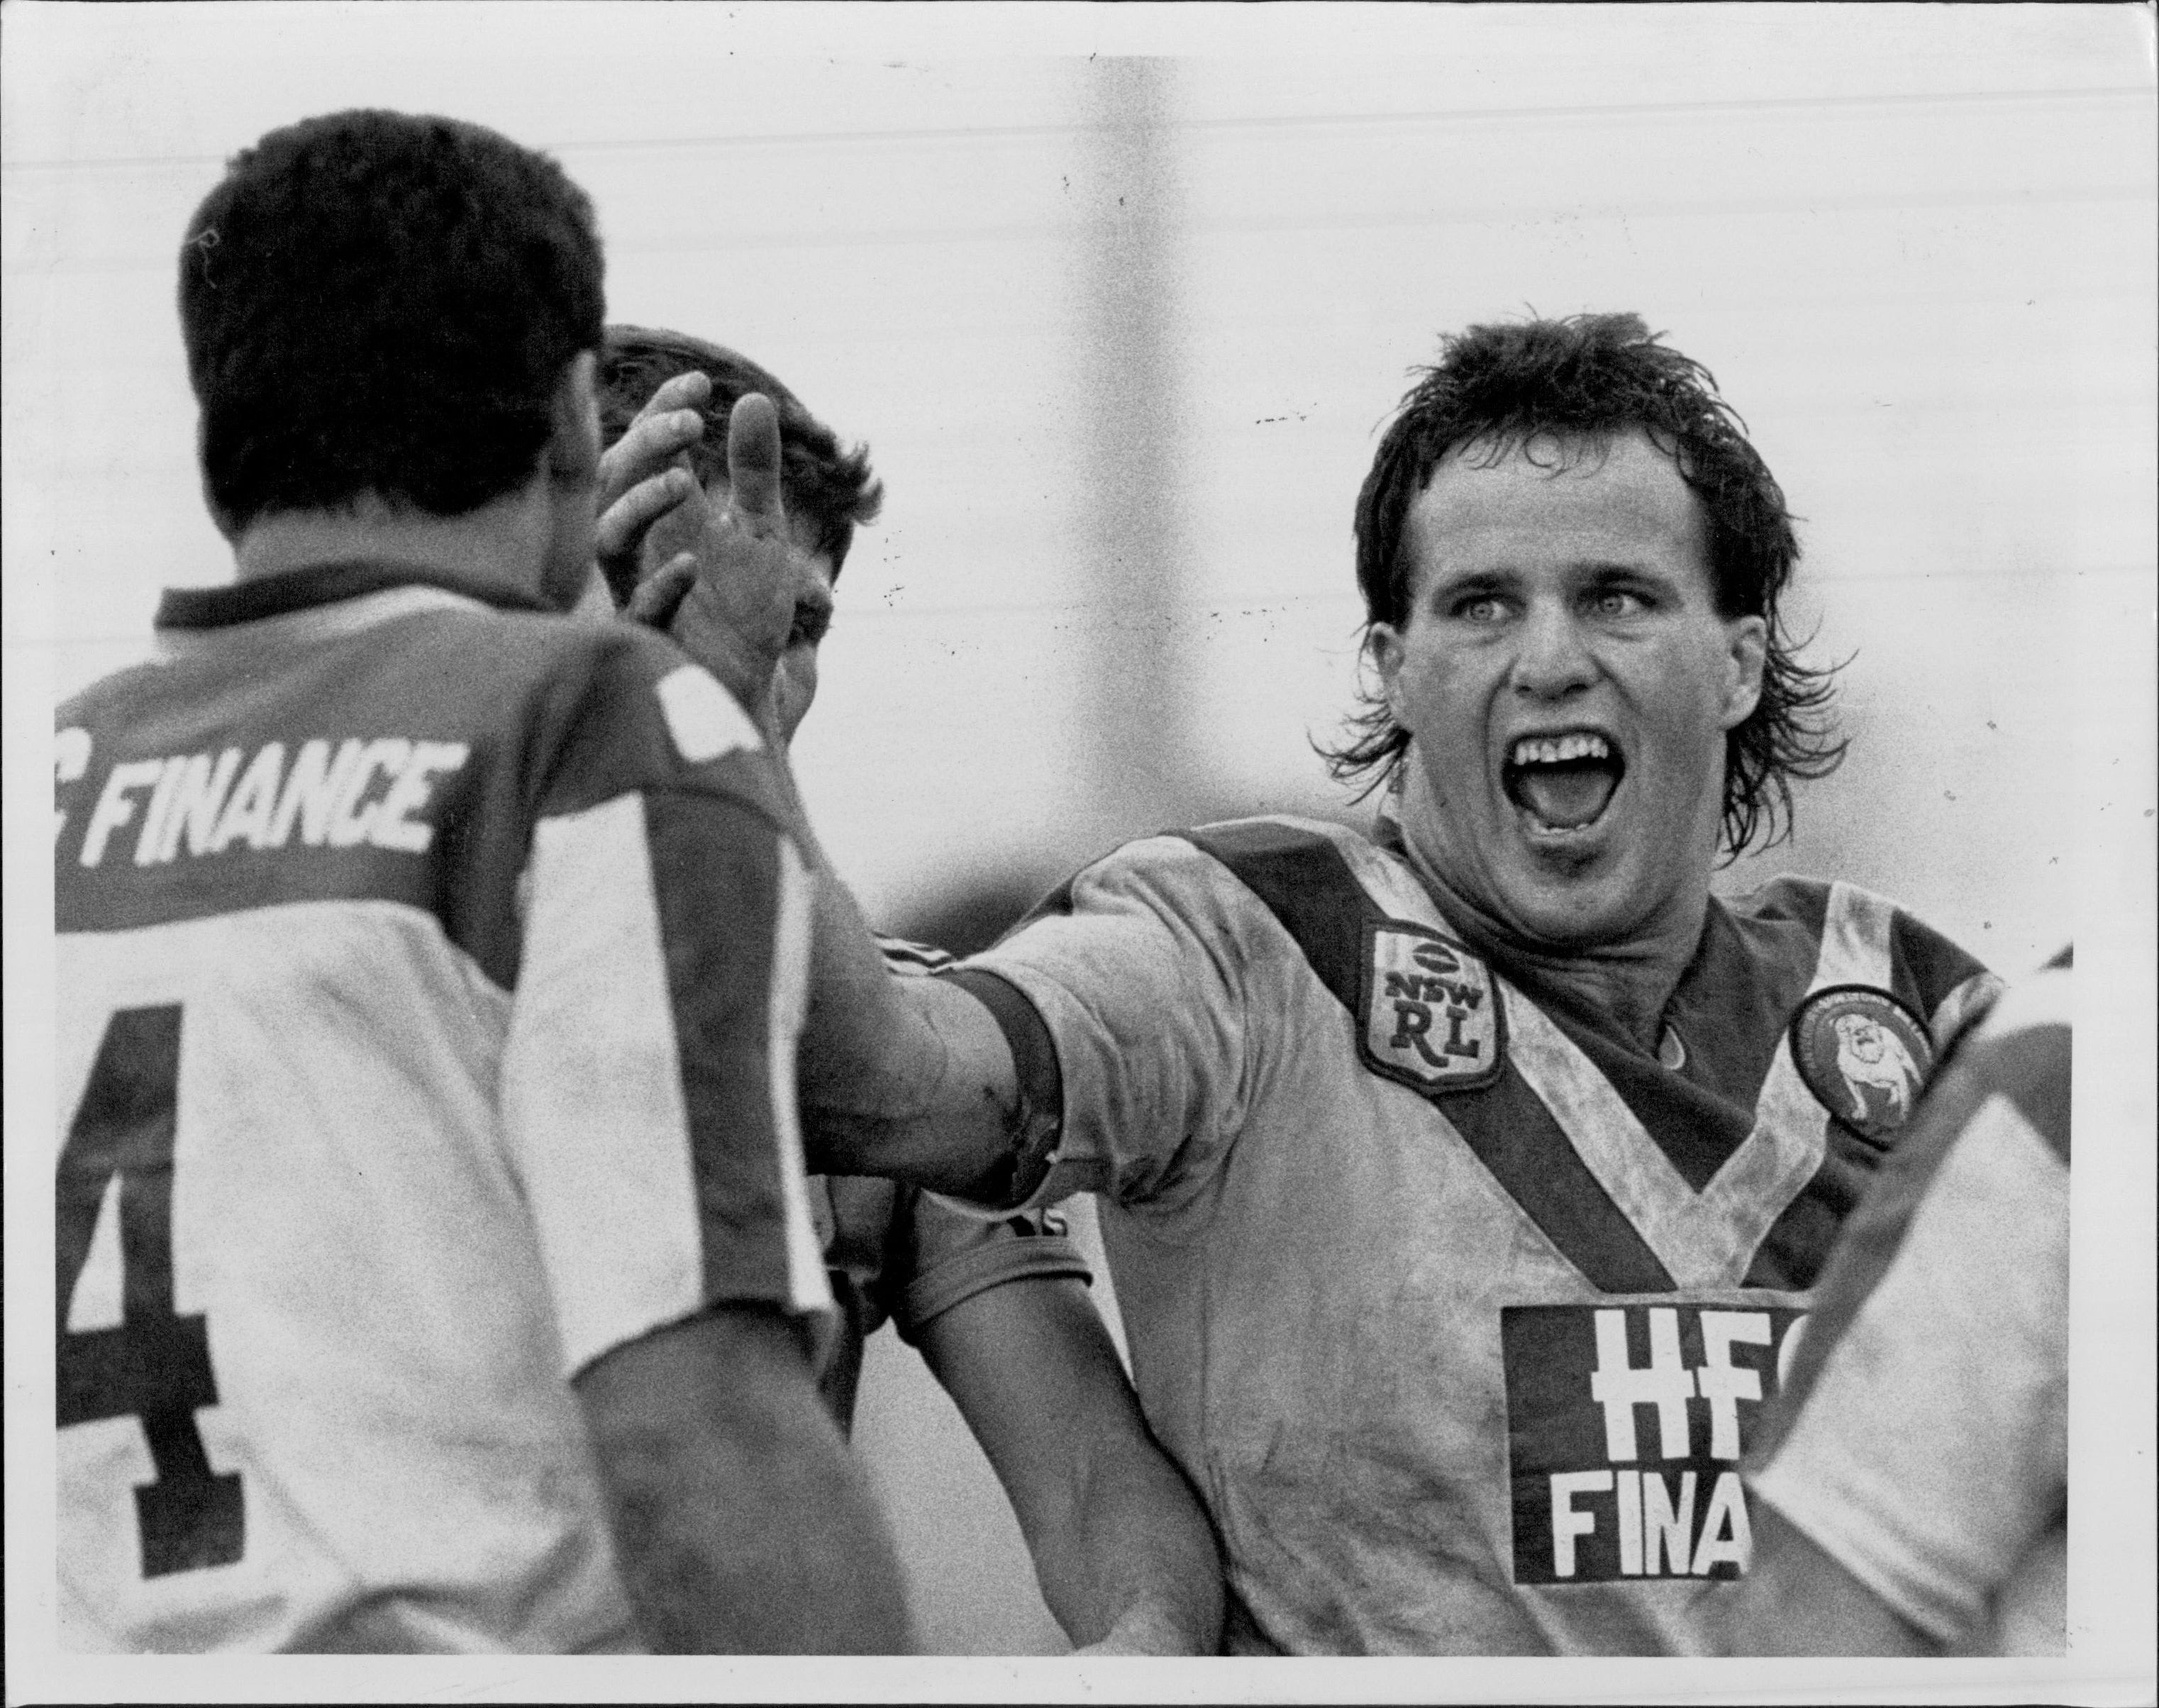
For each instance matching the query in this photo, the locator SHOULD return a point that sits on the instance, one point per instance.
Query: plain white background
(1119, 297)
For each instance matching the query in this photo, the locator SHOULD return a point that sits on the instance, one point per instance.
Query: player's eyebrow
(1461, 583)
(1603, 573)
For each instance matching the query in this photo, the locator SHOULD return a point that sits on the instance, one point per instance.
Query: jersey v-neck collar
(1705, 1223)
(322, 584)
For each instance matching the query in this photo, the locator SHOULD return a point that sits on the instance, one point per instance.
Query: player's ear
(1746, 648)
(571, 458)
(1384, 651)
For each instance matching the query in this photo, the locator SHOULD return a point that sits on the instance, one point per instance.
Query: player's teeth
(1553, 750)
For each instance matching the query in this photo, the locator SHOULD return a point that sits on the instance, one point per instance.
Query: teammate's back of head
(379, 302)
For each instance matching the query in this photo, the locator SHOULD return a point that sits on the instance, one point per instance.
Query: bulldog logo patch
(1865, 1055)
(1429, 1010)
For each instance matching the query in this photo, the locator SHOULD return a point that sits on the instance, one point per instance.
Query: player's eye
(1481, 608)
(1617, 602)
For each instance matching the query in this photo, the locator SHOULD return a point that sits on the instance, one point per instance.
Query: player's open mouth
(1563, 782)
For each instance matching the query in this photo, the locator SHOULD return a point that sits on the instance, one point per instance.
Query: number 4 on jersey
(155, 1364)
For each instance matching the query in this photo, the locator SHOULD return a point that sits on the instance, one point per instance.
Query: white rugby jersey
(1455, 1305)
(430, 975)
(1922, 1442)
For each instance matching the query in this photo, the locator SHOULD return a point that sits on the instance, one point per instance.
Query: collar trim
(320, 584)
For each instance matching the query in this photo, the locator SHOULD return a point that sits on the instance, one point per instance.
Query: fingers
(690, 390)
(754, 467)
(622, 525)
(660, 595)
(652, 444)
(645, 478)
(668, 425)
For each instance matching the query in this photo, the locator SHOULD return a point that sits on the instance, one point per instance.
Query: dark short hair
(377, 302)
(1595, 376)
(821, 478)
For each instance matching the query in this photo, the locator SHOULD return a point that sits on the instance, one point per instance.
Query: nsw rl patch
(1865, 1055)
(1430, 1011)
(1625, 1424)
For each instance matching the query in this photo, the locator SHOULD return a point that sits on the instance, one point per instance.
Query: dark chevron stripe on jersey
(1303, 879)
(2028, 1060)
(719, 892)
(2032, 1070)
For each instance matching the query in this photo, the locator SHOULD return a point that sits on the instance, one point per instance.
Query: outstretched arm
(907, 1078)
(742, 1524)
(1125, 1556)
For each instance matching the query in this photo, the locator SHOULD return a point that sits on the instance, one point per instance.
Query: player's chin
(1577, 892)
(1564, 919)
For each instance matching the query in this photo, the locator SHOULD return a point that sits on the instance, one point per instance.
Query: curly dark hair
(378, 302)
(1594, 376)
(819, 478)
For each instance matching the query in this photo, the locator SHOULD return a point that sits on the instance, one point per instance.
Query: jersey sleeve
(1951, 989)
(1132, 980)
(937, 1255)
(647, 1092)
(1921, 1440)
(953, 1256)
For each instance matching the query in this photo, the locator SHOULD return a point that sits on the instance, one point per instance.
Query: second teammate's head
(827, 486)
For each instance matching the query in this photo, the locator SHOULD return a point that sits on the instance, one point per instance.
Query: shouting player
(1463, 1181)
(999, 1309)
(435, 1265)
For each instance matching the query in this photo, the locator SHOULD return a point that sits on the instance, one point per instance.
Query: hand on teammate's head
(646, 483)
(714, 566)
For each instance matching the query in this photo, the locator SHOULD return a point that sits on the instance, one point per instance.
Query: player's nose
(1551, 656)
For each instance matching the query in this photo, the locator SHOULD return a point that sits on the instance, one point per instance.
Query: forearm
(770, 1546)
(1134, 1569)
(906, 1078)
(898, 1078)
(741, 1524)
(1123, 1554)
